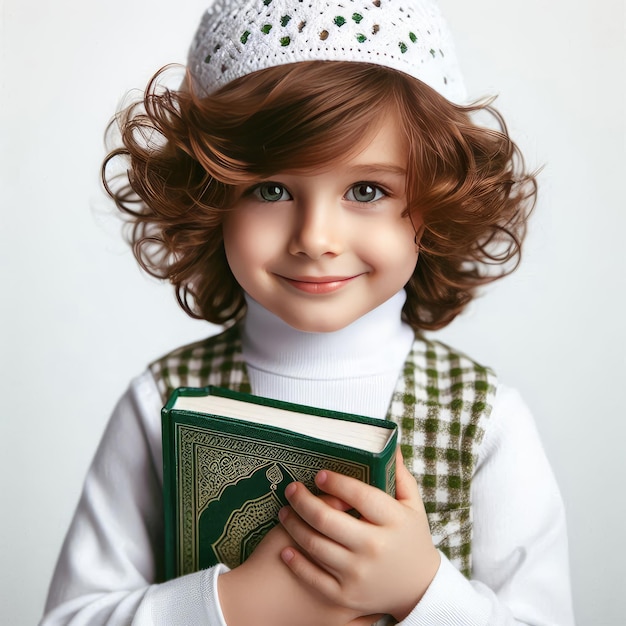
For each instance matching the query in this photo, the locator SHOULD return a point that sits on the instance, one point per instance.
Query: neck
(353, 369)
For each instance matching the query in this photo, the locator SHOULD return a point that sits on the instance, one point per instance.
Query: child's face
(321, 248)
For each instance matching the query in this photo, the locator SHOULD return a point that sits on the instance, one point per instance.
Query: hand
(382, 562)
(262, 591)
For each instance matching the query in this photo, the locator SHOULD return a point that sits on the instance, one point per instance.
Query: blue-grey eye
(364, 192)
(271, 192)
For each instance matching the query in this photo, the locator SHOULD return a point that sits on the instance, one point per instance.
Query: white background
(78, 318)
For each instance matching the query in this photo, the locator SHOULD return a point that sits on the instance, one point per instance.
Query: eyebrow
(377, 168)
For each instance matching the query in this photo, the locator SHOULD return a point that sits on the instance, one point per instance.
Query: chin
(317, 325)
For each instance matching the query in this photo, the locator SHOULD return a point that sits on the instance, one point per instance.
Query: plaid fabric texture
(441, 403)
(214, 361)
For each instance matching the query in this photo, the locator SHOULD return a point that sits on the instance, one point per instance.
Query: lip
(319, 284)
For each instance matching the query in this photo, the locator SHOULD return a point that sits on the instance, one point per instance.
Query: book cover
(224, 476)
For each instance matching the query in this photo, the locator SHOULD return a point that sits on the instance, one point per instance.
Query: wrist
(429, 566)
(239, 599)
(227, 585)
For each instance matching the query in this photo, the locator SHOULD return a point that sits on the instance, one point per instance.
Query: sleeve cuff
(190, 599)
(450, 599)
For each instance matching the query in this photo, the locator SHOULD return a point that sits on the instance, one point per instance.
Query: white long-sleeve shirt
(112, 553)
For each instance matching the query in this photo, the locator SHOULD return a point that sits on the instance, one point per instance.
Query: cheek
(236, 237)
(394, 248)
(407, 261)
(403, 259)
(250, 242)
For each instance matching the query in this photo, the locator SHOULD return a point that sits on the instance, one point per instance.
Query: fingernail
(282, 514)
(287, 555)
(290, 489)
(321, 477)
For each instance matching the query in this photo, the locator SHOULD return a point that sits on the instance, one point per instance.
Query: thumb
(406, 485)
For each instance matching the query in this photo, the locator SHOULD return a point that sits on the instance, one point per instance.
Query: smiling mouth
(319, 285)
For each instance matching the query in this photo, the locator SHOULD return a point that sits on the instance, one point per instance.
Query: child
(316, 187)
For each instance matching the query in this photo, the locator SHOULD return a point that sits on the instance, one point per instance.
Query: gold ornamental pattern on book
(212, 462)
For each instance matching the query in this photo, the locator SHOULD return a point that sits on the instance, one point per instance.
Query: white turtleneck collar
(354, 369)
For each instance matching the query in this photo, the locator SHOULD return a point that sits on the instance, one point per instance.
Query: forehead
(382, 145)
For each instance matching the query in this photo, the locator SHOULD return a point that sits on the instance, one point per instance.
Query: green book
(228, 456)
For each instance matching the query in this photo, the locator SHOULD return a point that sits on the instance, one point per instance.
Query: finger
(331, 555)
(371, 502)
(330, 522)
(335, 503)
(311, 574)
(407, 490)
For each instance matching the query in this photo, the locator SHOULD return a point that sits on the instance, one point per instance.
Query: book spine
(169, 495)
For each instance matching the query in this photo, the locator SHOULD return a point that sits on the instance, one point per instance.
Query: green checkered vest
(441, 403)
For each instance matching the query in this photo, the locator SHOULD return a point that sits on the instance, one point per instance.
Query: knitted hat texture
(238, 37)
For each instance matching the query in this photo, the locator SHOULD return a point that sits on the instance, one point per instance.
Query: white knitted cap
(238, 37)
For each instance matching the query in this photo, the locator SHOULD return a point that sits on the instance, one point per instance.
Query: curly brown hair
(187, 155)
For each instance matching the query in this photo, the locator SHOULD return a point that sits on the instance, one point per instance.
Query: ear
(418, 235)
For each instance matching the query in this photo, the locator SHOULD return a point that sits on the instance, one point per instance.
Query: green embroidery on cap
(361, 38)
(207, 59)
(403, 47)
(413, 37)
(285, 41)
(357, 17)
(339, 21)
(267, 2)
(244, 37)
(266, 29)
(285, 19)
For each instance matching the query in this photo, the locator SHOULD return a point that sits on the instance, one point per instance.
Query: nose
(317, 230)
